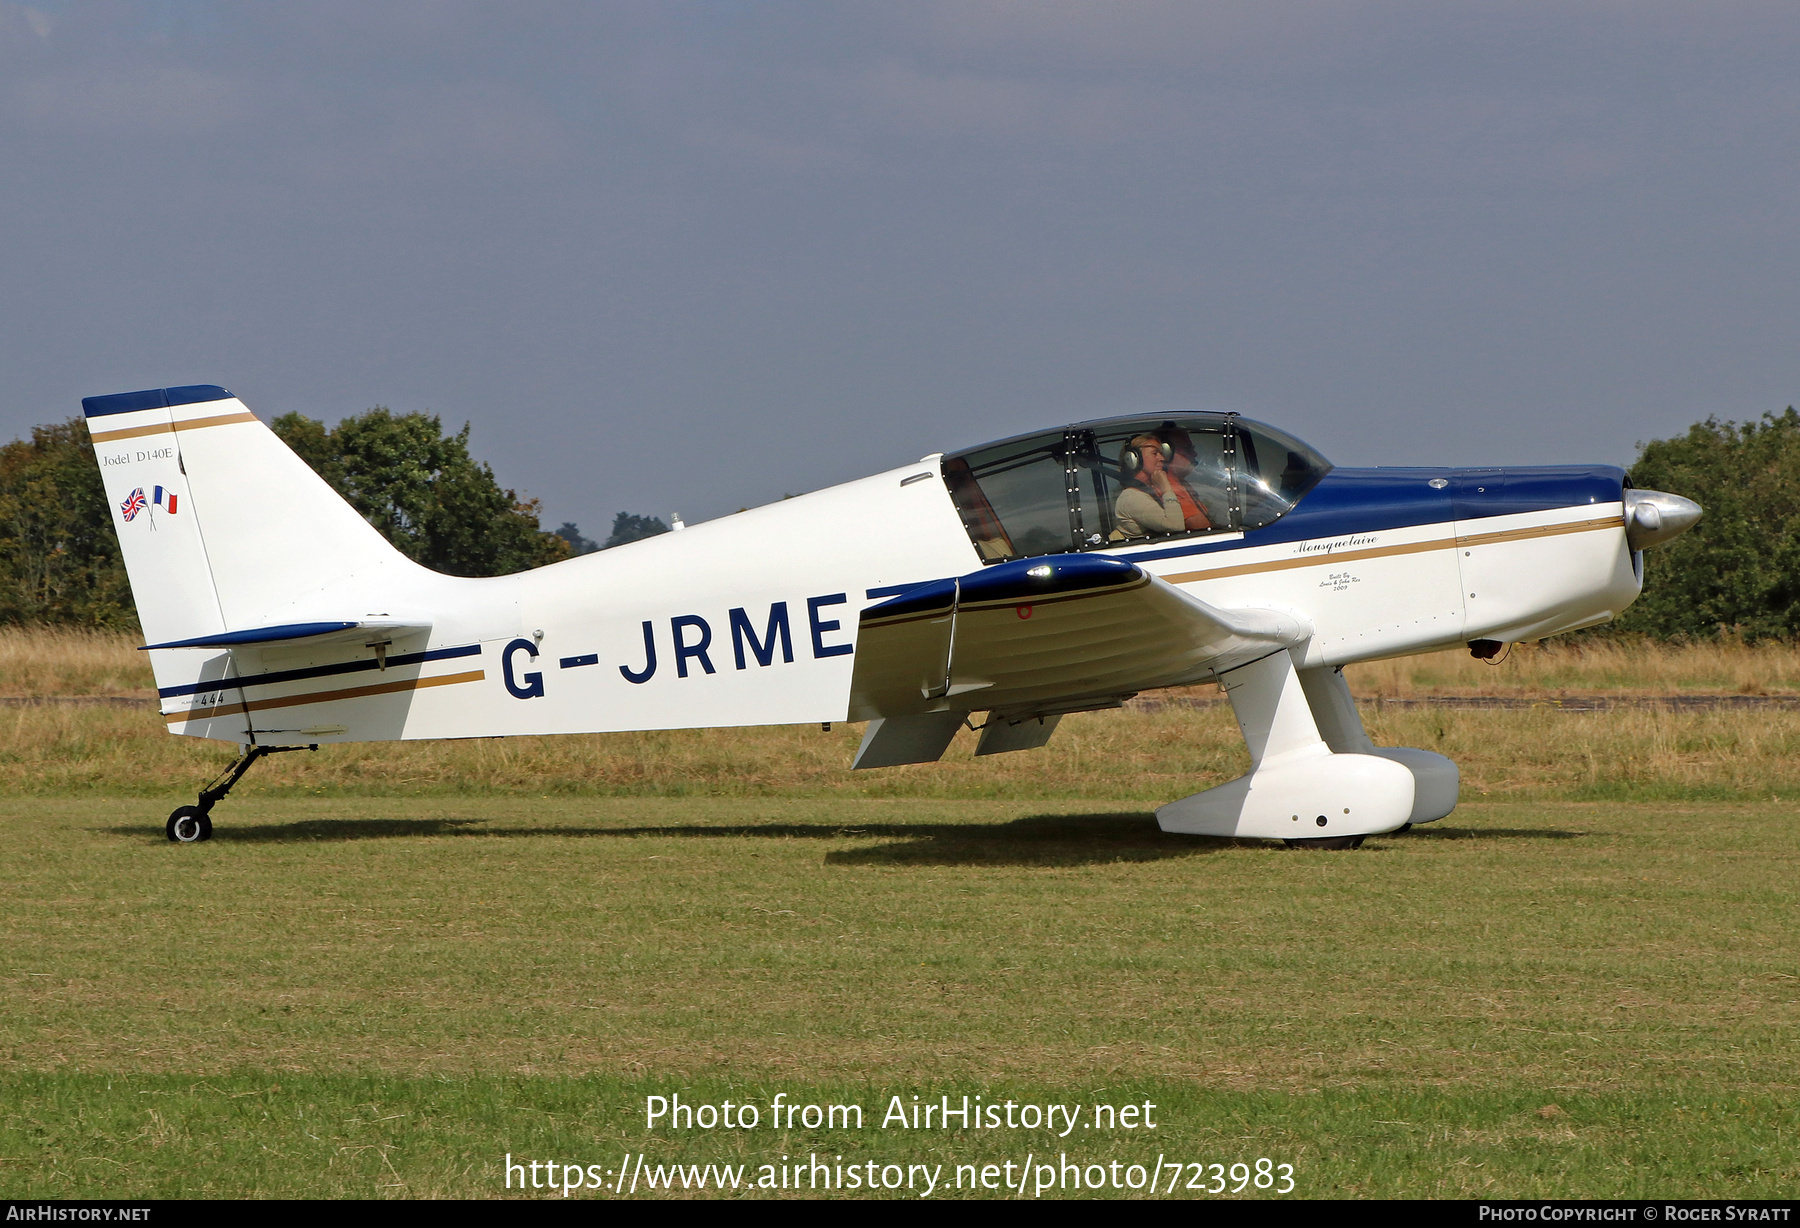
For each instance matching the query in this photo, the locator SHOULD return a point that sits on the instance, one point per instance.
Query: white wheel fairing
(1356, 795)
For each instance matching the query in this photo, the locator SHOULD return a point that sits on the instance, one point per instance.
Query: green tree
(571, 533)
(59, 557)
(1738, 571)
(629, 528)
(424, 492)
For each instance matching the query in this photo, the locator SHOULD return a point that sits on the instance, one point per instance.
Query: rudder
(165, 558)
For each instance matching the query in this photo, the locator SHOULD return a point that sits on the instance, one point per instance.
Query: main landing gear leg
(1299, 789)
(192, 824)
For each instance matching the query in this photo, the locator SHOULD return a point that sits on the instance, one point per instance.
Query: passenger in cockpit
(1147, 502)
(1182, 464)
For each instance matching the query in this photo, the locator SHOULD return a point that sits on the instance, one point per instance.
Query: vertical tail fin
(221, 526)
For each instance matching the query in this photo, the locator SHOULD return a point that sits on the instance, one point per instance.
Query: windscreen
(1277, 470)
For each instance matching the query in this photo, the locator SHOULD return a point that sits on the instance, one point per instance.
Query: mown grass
(270, 1135)
(1634, 967)
(833, 936)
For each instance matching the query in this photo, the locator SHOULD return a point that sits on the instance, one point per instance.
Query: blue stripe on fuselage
(1345, 501)
(1534, 489)
(1351, 501)
(318, 671)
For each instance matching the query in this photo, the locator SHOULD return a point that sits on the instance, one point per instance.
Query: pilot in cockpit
(1156, 498)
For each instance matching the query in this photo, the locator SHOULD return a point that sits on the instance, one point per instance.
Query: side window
(978, 515)
(1014, 497)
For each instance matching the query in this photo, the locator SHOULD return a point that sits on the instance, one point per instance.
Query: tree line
(1736, 574)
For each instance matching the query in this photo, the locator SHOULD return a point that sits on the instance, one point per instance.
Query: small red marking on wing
(1024, 611)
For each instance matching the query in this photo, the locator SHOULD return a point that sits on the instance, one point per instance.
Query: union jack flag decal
(134, 503)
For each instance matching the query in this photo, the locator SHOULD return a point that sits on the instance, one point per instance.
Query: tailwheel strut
(192, 824)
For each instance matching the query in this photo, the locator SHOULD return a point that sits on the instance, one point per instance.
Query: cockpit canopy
(1120, 480)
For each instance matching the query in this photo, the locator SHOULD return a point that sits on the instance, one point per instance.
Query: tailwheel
(192, 824)
(189, 825)
(1326, 842)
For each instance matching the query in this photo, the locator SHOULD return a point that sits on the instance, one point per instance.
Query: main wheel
(1326, 842)
(189, 825)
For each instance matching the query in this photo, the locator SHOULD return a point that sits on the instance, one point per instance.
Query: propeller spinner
(1653, 517)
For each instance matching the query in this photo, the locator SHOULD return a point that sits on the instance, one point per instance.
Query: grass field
(393, 966)
(1134, 755)
(36, 661)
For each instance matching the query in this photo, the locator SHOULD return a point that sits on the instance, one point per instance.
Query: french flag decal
(165, 499)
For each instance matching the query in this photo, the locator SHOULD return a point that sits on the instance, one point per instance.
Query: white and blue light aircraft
(1063, 571)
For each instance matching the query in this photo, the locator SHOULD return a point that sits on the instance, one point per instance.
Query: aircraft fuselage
(753, 618)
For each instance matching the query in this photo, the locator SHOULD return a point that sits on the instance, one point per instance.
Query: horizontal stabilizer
(312, 633)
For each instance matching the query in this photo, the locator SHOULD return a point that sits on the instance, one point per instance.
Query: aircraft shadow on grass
(1061, 839)
(1035, 840)
(1434, 832)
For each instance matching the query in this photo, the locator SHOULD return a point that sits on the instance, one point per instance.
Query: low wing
(1056, 634)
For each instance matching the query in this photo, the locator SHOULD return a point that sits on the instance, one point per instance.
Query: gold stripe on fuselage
(164, 428)
(1307, 560)
(1541, 530)
(320, 697)
(1382, 552)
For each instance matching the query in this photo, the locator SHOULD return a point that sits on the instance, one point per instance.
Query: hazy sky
(689, 256)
